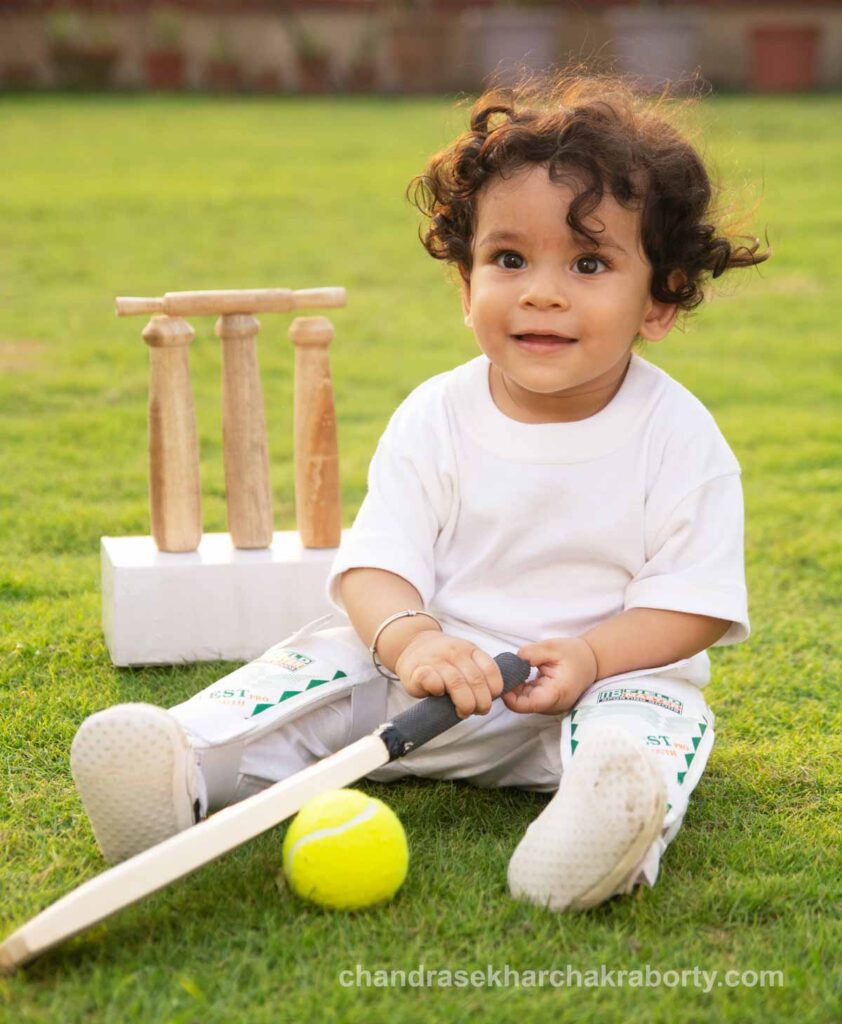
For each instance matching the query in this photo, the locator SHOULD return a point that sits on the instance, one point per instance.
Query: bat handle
(434, 715)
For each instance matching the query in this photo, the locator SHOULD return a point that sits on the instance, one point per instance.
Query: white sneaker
(137, 776)
(587, 841)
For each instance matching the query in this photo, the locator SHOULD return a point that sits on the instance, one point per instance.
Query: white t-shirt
(518, 532)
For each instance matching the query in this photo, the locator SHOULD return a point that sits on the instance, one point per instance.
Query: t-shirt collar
(579, 441)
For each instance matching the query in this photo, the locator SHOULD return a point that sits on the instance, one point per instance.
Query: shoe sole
(616, 752)
(131, 764)
(612, 882)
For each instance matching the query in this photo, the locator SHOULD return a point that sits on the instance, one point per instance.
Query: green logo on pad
(294, 693)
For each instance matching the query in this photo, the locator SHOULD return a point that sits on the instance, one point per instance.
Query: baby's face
(556, 316)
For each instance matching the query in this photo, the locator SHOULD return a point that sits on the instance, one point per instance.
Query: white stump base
(216, 603)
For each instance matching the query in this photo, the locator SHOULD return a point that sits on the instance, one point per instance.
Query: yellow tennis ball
(345, 850)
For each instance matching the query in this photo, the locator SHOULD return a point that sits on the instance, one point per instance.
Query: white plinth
(213, 603)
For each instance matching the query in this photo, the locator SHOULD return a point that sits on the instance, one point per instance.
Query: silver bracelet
(398, 615)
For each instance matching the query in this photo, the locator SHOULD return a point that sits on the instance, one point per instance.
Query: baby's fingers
(490, 670)
(539, 654)
(460, 692)
(531, 698)
(479, 684)
(425, 681)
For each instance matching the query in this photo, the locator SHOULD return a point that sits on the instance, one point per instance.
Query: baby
(557, 496)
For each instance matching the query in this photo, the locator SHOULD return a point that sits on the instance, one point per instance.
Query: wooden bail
(318, 508)
(175, 500)
(245, 448)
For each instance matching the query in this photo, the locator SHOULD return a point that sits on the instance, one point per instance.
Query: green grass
(125, 195)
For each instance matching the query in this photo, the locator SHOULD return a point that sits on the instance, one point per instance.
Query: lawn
(124, 195)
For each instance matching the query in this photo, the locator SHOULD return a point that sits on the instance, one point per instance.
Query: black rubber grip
(432, 716)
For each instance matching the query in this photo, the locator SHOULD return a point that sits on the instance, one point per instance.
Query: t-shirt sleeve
(409, 498)
(694, 537)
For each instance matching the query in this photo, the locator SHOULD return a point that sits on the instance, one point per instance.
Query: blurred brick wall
(257, 34)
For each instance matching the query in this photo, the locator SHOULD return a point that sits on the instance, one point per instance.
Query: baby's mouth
(543, 341)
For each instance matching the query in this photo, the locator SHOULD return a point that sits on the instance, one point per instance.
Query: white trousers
(317, 691)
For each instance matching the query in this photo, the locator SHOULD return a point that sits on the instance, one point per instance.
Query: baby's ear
(466, 302)
(659, 317)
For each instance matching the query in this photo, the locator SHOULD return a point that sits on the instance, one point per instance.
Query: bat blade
(145, 873)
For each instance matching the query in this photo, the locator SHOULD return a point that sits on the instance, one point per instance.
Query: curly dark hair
(599, 134)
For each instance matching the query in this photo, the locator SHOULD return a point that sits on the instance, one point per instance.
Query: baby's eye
(589, 265)
(509, 260)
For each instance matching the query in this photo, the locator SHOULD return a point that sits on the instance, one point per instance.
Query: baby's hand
(433, 663)
(567, 667)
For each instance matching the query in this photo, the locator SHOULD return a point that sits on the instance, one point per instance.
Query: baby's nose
(543, 294)
(544, 298)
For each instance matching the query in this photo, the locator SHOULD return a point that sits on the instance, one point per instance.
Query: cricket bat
(126, 883)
